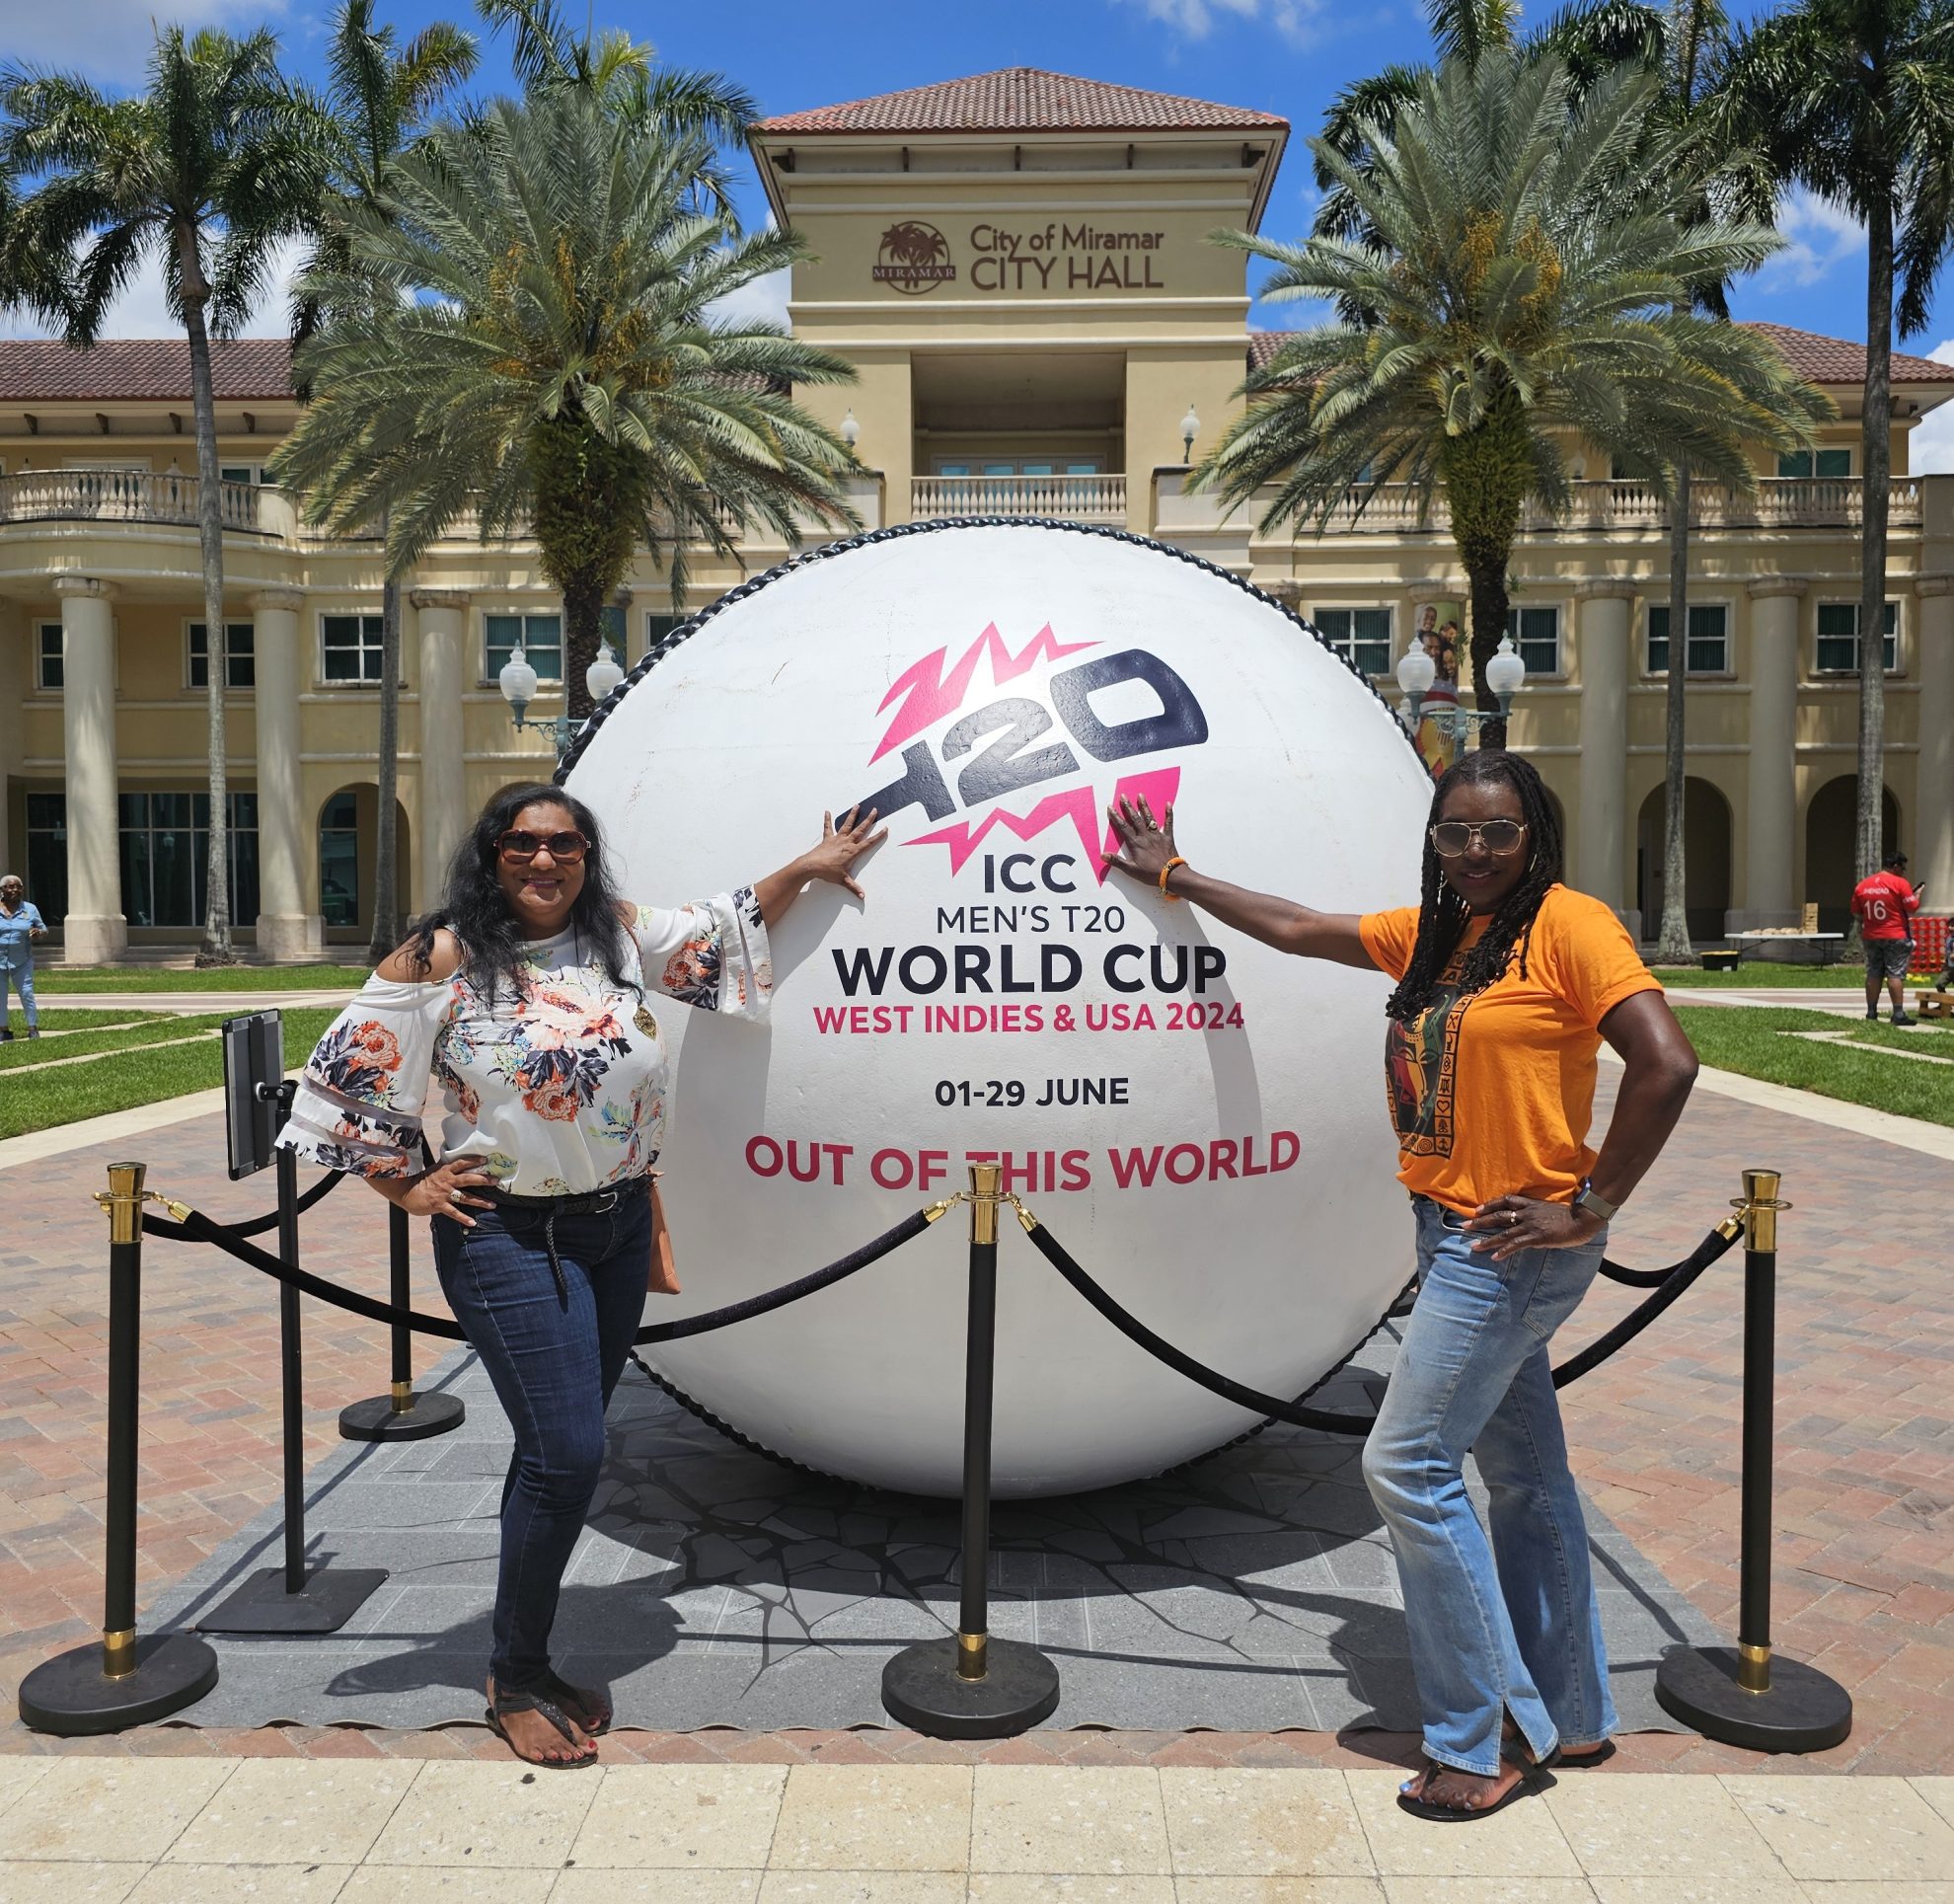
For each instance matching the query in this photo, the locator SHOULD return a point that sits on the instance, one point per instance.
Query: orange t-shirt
(1492, 1095)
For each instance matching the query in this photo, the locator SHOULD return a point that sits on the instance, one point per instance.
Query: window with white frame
(1838, 638)
(349, 649)
(241, 472)
(240, 655)
(1536, 633)
(1360, 635)
(659, 627)
(540, 637)
(48, 653)
(1709, 638)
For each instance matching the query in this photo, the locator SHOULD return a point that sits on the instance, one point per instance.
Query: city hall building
(1019, 266)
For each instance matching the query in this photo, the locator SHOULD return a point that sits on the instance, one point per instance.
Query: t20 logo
(1028, 750)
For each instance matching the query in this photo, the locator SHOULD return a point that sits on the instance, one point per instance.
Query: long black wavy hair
(475, 908)
(1443, 915)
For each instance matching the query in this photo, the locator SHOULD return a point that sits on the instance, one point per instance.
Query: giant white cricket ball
(1199, 1118)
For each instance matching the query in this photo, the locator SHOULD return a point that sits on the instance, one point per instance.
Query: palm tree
(547, 359)
(378, 96)
(1854, 99)
(1528, 280)
(207, 169)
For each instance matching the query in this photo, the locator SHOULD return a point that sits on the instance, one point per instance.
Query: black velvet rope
(258, 1225)
(198, 1228)
(1303, 1417)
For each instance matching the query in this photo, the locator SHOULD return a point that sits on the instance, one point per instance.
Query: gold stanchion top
(986, 1192)
(1758, 1209)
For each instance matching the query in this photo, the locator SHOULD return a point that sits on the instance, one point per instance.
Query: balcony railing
(1068, 499)
(1781, 502)
(121, 495)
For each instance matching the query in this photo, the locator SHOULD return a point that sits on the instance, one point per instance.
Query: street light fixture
(518, 680)
(851, 430)
(1506, 676)
(1190, 427)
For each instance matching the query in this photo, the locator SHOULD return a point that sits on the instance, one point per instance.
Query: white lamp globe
(518, 680)
(851, 430)
(1416, 670)
(1190, 427)
(603, 674)
(1506, 672)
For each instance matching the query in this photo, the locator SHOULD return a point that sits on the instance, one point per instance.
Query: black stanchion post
(401, 1414)
(1744, 1696)
(285, 1599)
(127, 1680)
(974, 1687)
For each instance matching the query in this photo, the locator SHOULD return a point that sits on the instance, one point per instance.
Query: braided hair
(1443, 915)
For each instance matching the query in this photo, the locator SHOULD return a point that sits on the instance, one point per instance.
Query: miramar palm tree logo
(913, 257)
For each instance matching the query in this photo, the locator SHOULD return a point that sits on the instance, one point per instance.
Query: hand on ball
(1147, 845)
(840, 846)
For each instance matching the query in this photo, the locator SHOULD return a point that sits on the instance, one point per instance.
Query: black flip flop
(1565, 1761)
(506, 1704)
(1532, 1778)
(576, 1700)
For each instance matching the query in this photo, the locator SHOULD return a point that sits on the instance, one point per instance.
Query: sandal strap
(506, 1704)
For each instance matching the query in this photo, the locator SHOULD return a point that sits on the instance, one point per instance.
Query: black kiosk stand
(280, 1599)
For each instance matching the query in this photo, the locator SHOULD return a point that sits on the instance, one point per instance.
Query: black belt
(578, 1203)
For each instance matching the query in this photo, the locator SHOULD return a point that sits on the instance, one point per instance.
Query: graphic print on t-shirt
(1421, 1057)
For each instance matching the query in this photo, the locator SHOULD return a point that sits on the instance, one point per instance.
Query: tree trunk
(386, 855)
(1673, 941)
(1876, 457)
(1487, 473)
(216, 948)
(1486, 578)
(584, 596)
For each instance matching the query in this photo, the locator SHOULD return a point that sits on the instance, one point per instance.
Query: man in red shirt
(1884, 905)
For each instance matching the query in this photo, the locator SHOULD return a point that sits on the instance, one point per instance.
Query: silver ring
(454, 1196)
(1511, 1216)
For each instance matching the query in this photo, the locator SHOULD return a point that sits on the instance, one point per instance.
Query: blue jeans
(1509, 1625)
(553, 1359)
(21, 978)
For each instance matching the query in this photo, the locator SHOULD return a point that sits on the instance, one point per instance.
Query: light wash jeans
(1509, 1625)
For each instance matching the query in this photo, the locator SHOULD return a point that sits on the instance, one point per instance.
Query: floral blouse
(559, 1089)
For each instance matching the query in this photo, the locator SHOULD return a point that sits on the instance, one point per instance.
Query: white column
(444, 676)
(1934, 828)
(95, 932)
(1772, 831)
(1601, 830)
(288, 929)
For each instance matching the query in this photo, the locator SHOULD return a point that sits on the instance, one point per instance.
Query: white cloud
(1295, 20)
(1930, 448)
(765, 298)
(1822, 233)
(142, 311)
(110, 40)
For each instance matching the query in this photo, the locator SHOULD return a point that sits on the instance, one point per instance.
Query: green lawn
(51, 979)
(1753, 1041)
(1756, 975)
(87, 1018)
(38, 1099)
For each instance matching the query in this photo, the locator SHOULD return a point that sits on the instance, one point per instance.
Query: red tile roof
(35, 371)
(1818, 360)
(1834, 360)
(1024, 99)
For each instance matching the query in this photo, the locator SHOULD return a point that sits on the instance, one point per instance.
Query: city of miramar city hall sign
(915, 257)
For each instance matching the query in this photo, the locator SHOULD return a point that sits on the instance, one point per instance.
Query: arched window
(339, 859)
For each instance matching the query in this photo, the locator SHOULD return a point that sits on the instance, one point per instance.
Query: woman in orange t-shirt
(1507, 982)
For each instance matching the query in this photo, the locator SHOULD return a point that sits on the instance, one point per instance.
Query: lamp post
(1506, 676)
(851, 430)
(1190, 427)
(518, 680)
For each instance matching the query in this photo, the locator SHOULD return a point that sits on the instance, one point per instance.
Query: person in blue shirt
(19, 926)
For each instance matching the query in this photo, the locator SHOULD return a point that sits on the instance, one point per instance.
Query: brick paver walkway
(1864, 1581)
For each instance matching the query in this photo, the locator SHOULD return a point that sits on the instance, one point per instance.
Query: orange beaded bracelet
(1173, 898)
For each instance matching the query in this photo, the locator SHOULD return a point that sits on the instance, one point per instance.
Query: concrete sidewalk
(173, 1831)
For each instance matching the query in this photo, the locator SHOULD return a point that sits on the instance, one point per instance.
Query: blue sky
(1286, 56)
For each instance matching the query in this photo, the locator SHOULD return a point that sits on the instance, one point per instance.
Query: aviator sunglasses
(1452, 839)
(564, 847)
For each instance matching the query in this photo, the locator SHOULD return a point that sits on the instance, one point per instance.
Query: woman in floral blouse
(525, 996)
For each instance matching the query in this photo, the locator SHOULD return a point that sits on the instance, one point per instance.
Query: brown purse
(661, 1274)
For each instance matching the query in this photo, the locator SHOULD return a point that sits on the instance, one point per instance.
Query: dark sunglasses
(1453, 838)
(518, 849)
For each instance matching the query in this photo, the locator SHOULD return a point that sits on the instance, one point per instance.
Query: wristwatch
(1589, 1199)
